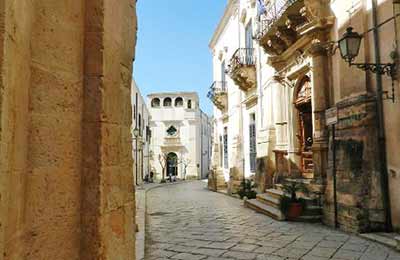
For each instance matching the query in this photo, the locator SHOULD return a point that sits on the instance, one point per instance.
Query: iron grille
(218, 87)
(242, 57)
(273, 12)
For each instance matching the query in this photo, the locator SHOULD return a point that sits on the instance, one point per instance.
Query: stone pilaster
(320, 99)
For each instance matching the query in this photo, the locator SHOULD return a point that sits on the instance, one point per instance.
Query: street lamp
(136, 133)
(349, 46)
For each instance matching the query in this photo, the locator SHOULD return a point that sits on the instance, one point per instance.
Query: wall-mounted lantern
(349, 46)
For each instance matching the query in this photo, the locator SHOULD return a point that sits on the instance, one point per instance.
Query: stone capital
(317, 49)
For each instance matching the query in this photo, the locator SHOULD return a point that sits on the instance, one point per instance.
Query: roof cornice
(229, 9)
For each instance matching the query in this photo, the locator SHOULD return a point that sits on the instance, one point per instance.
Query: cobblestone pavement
(188, 222)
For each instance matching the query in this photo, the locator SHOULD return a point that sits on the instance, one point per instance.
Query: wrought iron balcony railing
(274, 11)
(218, 87)
(242, 57)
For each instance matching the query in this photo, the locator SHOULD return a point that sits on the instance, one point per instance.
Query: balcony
(172, 141)
(279, 25)
(242, 68)
(218, 94)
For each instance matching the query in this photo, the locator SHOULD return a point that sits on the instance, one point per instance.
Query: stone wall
(358, 180)
(66, 187)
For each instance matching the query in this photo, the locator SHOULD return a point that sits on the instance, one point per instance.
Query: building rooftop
(177, 93)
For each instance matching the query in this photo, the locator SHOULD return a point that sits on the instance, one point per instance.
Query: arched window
(189, 104)
(167, 102)
(155, 102)
(178, 102)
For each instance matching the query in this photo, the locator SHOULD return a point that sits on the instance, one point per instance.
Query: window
(171, 131)
(140, 124)
(155, 102)
(253, 143)
(167, 102)
(178, 102)
(221, 150)
(223, 72)
(189, 104)
(249, 43)
(226, 165)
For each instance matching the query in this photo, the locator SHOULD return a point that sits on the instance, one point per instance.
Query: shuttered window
(226, 165)
(253, 143)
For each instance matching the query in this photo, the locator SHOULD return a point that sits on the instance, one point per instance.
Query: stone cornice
(230, 8)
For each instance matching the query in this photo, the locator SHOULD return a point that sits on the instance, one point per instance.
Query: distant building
(140, 121)
(181, 136)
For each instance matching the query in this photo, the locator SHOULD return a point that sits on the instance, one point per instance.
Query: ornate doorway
(172, 164)
(305, 130)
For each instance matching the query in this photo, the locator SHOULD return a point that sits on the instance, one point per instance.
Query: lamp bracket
(379, 68)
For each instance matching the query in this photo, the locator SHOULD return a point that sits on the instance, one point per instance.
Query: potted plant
(291, 206)
(246, 190)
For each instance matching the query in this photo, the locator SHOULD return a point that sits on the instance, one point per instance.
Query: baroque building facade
(278, 77)
(180, 136)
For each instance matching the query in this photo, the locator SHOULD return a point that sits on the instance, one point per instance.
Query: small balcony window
(155, 102)
(167, 102)
(178, 102)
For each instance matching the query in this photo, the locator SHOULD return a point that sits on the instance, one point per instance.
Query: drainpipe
(381, 124)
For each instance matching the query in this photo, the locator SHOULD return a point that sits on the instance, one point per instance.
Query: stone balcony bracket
(286, 21)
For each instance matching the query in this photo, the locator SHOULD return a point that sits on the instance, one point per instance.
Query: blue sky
(172, 52)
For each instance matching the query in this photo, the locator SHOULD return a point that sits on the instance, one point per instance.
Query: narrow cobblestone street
(186, 221)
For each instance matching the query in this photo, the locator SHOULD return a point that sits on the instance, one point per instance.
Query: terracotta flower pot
(294, 210)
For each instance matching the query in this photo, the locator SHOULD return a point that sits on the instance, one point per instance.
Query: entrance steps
(268, 204)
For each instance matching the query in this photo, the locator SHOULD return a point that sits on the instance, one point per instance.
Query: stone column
(320, 99)
(66, 182)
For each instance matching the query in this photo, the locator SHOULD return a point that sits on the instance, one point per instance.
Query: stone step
(313, 211)
(388, 239)
(309, 218)
(264, 209)
(268, 200)
(275, 193)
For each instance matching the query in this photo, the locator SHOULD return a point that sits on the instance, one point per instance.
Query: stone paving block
(244, 247)
(347, 255)
(220, 245)
(322, 252)
(209, 251)
(355, 247)
(240, 255)
(310, 257)
(270, 257)
(330, 244)
(266, 250)
(162, 253)
(187, 256)
(179, 249)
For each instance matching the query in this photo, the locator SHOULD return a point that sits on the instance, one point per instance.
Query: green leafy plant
(246, 190)
(291, 188)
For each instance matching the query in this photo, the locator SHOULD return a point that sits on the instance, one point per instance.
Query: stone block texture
(359, 191)
(66, 182)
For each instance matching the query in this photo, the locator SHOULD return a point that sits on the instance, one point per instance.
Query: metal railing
(274, 11)
(242, 57)
(218, 87)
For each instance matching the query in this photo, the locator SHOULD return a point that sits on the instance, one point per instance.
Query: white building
(235, 111)
(140, 121)
(181, 133)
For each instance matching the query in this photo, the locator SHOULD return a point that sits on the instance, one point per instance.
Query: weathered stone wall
(264, 174)
(66, 188)
(15, 74)
(358, 180)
